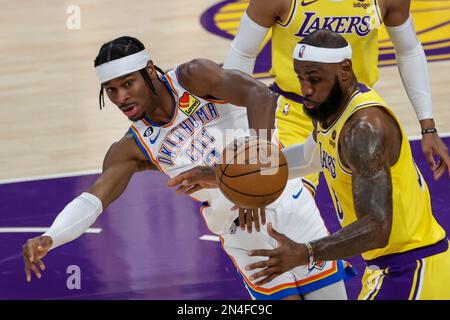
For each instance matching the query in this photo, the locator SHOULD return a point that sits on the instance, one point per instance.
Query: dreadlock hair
(119, 48)
(325, 38)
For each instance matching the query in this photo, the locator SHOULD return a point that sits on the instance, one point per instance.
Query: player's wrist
(309, 253)
(427, 123)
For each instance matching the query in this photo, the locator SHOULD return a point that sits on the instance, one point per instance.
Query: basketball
(252, 172)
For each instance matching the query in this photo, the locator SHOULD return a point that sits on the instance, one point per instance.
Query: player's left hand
(195, 179)
(433, 145)
(287, 256)
(248, 216)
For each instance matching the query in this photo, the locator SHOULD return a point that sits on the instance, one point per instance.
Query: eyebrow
(118, 78)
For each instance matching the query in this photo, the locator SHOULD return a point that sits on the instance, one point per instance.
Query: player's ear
(151, 69)
(346, 70)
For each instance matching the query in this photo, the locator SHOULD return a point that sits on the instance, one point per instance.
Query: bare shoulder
(267, 12)
(196, 68)
(395, 12)
(364, 140)
(199, 76)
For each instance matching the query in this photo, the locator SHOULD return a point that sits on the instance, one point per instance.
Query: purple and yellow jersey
(413, 224)
(356, 21)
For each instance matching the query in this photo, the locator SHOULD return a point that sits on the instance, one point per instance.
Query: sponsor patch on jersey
(361, 4)
(188, 103)
(318, 265)
(148, 132)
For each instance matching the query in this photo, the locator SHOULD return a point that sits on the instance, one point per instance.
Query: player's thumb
(274, 233)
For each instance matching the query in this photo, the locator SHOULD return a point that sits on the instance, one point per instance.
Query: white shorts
(296, 215)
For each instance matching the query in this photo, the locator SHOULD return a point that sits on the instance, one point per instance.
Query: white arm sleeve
(245, 46)
(74, 219)
(412, 64)
(303, 159)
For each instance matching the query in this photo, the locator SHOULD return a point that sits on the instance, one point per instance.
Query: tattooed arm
(370, 144)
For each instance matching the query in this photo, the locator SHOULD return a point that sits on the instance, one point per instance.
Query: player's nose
(122, 96)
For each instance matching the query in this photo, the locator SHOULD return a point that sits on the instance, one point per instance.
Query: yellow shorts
(294, 126)
(421, 279)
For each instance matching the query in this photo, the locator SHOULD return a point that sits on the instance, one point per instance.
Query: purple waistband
(290, 95)
(409, 256)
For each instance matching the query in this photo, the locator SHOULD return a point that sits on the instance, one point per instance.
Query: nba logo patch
(188, 103)
(302, 51)
(318, 265)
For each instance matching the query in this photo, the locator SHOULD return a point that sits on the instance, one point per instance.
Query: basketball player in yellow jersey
(358, 22)
(379, 194)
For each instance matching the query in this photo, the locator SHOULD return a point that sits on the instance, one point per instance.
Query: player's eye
(128, 83)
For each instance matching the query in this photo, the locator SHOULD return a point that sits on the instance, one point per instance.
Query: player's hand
(285, 257)
(190, 181)
(248, 216)
(433, 145)
(33, 251)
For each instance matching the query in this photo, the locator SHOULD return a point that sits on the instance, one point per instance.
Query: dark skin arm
(122, 160)
(205, 78)
(370, 144)
(267, 12)
(395, 13)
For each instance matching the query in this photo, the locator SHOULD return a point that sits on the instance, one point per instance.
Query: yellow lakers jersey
(413, 224)
(356, 20)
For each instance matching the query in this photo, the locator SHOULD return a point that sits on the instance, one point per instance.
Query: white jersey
(196, 135)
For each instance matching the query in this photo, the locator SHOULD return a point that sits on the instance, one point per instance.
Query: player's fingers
(30, 250)
(262, 252)
(35, 270)
(41, 265)
(441, 168)
(249, 218)
(193, 189)
(274, 233)
(176, 180)
(445, 158)
(183, 178)
(27, 268)
(182, 189)
(267, 272)
(257, 265)
(263, 215)
(242, 218)
(256, 219)
(267, 279)
(429, 157)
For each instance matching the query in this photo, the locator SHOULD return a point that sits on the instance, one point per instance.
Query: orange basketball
(252, 172)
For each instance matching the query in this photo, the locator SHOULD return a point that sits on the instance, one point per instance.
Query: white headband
(122, 66)
(305, 52)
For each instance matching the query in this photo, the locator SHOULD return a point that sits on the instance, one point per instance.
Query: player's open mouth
(309, 105)
(130, 110)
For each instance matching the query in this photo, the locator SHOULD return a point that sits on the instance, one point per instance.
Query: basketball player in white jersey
(179, 123)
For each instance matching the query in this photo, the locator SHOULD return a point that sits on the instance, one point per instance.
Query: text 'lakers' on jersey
(413, 224)
(356, 20)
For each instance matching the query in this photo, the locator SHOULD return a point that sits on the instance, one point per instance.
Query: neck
(163, 104)
(348, 92)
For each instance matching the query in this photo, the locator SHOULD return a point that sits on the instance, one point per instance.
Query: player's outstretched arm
(206, 79)
(193, 180)
(367, 152)
(412, 65)
(122, 160)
